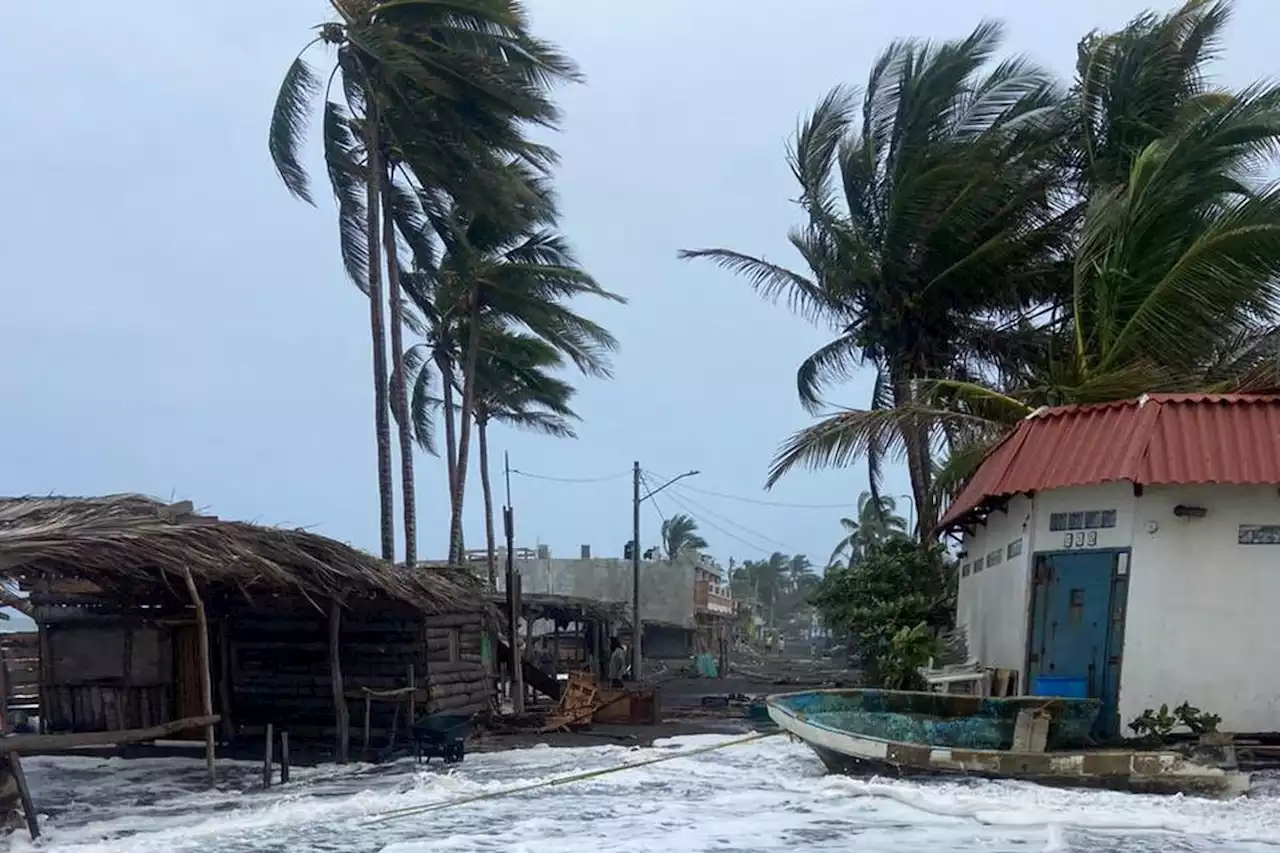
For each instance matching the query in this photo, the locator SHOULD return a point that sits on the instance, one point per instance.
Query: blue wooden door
(1077, 624)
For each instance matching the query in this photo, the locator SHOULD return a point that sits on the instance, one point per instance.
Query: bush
(893, 601)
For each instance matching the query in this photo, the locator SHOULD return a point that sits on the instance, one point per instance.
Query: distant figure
(782, 645)
(617, 662)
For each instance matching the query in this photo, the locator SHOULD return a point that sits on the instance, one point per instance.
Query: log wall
(279, 666)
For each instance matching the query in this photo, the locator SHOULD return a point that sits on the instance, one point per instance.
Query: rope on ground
(562, 780)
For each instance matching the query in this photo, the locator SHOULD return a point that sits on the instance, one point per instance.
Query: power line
(718, 528)
(571, 479)
(760, 502)
(783, 545)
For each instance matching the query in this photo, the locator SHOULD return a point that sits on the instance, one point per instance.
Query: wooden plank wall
(280, 672)
(21, 657)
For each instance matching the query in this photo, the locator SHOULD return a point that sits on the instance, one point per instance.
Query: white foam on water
(767, 796)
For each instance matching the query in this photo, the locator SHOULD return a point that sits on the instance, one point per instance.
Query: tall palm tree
(679, 535)
(515, 388)
(1174, 274)
(929, 211)
(515, 272)
(874, 523)
(438, 92)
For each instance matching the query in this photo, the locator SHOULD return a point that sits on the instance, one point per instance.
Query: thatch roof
(135, 538)
(567, 608)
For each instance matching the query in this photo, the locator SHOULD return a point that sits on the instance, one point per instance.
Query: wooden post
(335, 675)
(555, 650)
(24, 792)
(368, 719)
(517, 661)
(284, 757)
(224, 681)
(45, 670)
(266, 757)
(413, 686)
(206, 672)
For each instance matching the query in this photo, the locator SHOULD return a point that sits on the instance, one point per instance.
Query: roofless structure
(151, 615)
(1131, 552)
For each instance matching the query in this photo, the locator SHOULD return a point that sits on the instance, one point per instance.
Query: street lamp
(636, 630)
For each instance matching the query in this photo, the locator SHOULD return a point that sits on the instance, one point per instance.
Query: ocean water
(769, 795)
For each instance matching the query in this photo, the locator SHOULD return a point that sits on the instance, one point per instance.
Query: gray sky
(175, 324)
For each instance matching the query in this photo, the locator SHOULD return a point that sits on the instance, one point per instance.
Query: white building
(1135, 546)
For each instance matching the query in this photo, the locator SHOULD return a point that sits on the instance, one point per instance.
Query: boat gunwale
(770, 702)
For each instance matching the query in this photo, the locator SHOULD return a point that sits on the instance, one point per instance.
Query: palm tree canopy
(680, 534)
(929, 213)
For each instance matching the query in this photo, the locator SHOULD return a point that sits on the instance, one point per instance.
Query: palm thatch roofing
(131, 538)
(568, 608)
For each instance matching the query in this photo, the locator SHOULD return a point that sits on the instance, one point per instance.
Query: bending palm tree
(877, 520)
(925, 221)
(680, 534)
(493, 273)
(438, 91)
(514, 387)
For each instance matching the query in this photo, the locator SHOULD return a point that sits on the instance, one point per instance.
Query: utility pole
(514, 604)
(636, 630)
(636, 657)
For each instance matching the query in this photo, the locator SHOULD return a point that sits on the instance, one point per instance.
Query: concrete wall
(666, 589)
(1200, 623)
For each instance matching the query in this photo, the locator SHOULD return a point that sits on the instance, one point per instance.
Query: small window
(1108, 518)
(1075, 521)
(994, 557)
(1014, 549)
(1058, 521)
(977, 565)
(1092, 520)
(964, 570)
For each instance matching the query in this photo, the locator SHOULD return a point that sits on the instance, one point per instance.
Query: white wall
(992, 603)
(1203, 623)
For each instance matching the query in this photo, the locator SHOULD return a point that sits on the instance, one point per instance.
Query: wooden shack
(151, 613)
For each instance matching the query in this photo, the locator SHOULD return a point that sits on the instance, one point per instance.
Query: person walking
(617, 662)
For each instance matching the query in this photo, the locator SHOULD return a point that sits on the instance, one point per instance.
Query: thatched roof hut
(146, 608)
(140, 540)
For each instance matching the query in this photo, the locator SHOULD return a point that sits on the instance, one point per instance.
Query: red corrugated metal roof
(1157, 439)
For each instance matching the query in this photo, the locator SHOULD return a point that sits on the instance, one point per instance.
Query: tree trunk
(490, 538)
(381, 419)
(464, 426)
(450, 435)
(399, 394)
(919, 461)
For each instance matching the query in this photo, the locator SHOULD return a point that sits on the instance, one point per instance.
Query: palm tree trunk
(464, 426)
(490, 538)
(381, 420)
(919, 461)
(450, 432)
(399, 395)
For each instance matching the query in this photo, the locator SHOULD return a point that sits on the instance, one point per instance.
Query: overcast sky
(174, 323)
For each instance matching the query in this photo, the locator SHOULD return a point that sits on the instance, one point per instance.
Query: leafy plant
(1158, 725)
(893, 601)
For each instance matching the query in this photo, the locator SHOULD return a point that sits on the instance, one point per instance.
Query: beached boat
(902, 733)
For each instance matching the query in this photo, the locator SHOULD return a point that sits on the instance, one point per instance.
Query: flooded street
(768, 795)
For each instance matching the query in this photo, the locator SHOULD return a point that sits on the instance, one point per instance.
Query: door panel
(1077, 623)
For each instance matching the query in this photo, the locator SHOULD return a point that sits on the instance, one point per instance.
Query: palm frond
(289, 122)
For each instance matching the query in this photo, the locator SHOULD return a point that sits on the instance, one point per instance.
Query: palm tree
(1174, 276)
(877, 520)
(503, 273)
(680, 534)
(439, 93)
(927, 217)
(514, 387)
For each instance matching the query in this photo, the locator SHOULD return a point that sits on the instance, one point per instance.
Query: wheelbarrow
(441, 736)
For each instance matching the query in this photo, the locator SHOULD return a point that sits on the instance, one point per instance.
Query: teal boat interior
(939, 719)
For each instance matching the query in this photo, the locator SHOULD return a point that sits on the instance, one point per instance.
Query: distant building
(1131, 551)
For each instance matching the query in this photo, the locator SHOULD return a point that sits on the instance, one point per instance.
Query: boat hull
(851, 753)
